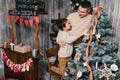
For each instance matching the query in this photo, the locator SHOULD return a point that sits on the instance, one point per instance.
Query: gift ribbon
(87, 53)
(98, 12)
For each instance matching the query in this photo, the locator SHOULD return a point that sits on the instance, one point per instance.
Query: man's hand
(84, 32)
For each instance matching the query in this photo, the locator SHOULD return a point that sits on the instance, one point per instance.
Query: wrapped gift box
(5, 45)
(22, 49)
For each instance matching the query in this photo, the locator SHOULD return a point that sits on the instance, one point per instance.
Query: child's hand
(61, 43)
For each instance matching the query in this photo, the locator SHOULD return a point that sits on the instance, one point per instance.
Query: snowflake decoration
(85, 64)
(106, 72)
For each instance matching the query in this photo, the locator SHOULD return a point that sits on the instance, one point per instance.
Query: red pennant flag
(3, 78)
(10, 17)
(26, 22)
(21, 20)
(36, 18)
(16, 18)
(31, 22)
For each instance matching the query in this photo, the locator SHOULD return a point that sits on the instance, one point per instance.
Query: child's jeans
(60, 69)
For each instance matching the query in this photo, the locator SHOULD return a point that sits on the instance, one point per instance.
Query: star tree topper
(106, 72)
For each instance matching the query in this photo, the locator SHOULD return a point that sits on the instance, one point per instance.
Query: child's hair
(62, 23)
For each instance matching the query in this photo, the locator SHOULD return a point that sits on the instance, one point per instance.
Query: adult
(80, 20)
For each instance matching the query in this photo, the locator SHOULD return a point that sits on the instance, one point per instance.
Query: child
(65, 51)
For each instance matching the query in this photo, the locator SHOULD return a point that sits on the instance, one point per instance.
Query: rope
(87, 53)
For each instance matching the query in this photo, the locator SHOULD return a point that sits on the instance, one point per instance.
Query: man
(80, 20)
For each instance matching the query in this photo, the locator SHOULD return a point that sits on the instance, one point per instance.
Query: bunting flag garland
(17, 68)
(31, 22)
(26, 22)
(36, 19)
(10, 17)
(16, 18)
(21, 20)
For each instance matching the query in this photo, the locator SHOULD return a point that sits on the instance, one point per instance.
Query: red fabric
(31, 22)
(26, 22)
(10, 17)
(3, 78)
(16, 18)
(36, 18)
(21, 20)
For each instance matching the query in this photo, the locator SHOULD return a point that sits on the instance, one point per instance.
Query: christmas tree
(102, 59)
(75, 4)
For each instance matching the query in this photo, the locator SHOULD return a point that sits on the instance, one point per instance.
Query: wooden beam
(36, 36)
(12, 29)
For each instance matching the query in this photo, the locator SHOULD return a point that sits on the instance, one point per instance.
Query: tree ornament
(72, 71)
(79, 74)
(77, 56)
(75, 4)
(94, 30)
(85, 64)
(65, 74)
(106, 72)
(98, 35)
(92, 51)
(96, 65)
(114, 67)
(99, 40)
